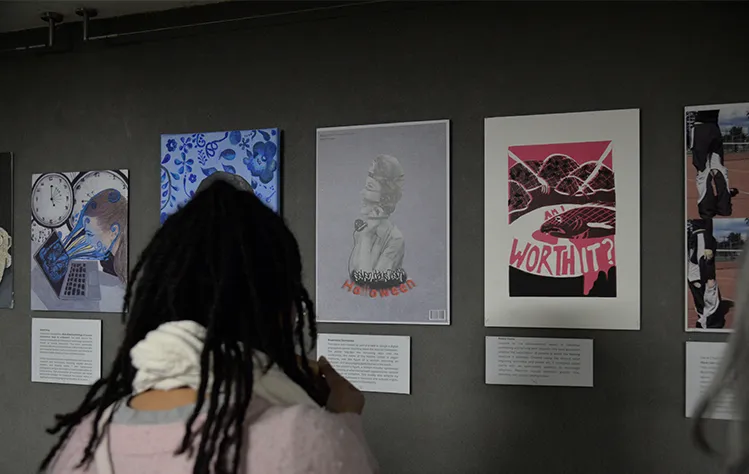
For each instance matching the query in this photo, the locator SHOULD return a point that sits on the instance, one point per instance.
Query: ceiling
(24, 14)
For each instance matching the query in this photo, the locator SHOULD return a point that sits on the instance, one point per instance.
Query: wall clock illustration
(52, 200)
(87, 185)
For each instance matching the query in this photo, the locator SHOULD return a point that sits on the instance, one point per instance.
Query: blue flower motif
(186, 144)
(262, 162)
(171, 144)
(192, 178)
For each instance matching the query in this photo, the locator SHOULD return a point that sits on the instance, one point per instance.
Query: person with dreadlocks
(209, 377)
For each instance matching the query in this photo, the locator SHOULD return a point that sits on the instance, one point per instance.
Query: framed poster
(188, 158)
(562, 220)
(383, 223)
(716, 159)
(6, 230)
(79, 240)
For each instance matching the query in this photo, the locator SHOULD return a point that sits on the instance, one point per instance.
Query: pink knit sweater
(292, 440)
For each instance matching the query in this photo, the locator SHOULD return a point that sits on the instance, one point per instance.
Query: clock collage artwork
(79, 240)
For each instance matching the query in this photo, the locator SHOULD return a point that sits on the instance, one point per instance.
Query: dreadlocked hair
(229, 263)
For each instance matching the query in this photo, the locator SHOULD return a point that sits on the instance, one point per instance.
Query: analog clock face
(89, 184)
(52, 200)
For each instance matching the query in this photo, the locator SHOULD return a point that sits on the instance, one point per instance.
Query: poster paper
(703, 361)
(562, 220)
(716, 151)
(187, 159)
(370, 363)
(568, 249)
(79, 241)
(383, 247)
(6, 231)
(539, 361)
(65, 351)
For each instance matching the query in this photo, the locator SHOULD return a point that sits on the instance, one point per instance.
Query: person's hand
(344, 397)
(366, 232)
(708, 254)
(365, 236)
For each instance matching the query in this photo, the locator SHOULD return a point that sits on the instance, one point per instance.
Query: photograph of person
(716, 153)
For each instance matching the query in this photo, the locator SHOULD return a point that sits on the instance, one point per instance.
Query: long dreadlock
(229, 263)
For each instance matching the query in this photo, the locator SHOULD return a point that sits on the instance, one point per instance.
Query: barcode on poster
(437, 315)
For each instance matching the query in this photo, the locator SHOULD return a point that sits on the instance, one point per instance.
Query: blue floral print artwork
(187, 159)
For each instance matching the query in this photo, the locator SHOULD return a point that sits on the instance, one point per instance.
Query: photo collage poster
(6, 231)
(716, 152)
(383, 214)
(555, 255)
(79, 240)
(187, 159)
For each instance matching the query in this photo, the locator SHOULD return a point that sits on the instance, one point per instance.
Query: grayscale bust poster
(383, 213)
(6, 230)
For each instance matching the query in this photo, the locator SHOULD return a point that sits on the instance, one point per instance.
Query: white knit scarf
(169, 357)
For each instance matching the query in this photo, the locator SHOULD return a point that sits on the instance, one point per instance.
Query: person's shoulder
(303, 419)
(396, 236)
(322, 442)
(71, 452)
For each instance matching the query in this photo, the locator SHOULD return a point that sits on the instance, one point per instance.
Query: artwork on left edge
(6, 230)
(188, 158)
(79, 240)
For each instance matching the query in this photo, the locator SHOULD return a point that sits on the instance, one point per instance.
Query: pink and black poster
(563, 249)
(562, 215)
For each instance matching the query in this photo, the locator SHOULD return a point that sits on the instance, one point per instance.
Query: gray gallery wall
(104, 107)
